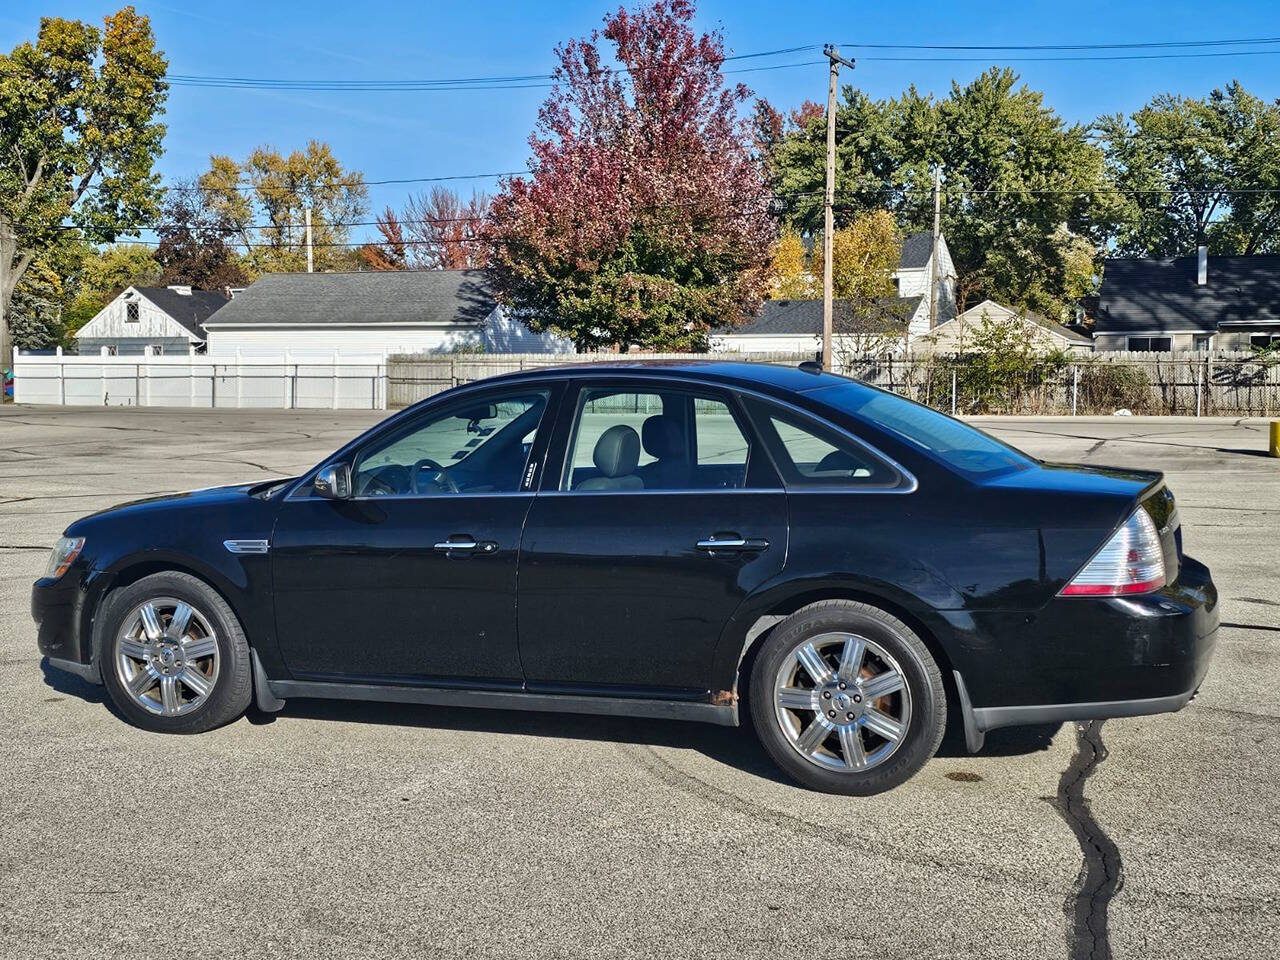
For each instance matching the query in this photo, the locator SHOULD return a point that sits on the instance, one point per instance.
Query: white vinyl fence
(286, 382)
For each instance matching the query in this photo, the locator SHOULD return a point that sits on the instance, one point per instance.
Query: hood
(218, 499)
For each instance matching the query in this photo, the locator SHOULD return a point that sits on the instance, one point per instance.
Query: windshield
(959, 446)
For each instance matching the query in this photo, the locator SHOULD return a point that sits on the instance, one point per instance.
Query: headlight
(64, 553)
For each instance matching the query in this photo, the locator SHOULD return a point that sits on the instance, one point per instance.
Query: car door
(412, 579)
(658, 513)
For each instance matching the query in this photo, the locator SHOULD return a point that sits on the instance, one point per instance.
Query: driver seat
(616, 455)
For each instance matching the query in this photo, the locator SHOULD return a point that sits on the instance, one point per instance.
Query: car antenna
(810, 366)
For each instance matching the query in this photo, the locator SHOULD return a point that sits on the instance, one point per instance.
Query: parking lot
(345, 829)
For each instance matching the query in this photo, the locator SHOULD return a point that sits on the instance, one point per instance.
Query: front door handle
(732, 543)
(466, 544)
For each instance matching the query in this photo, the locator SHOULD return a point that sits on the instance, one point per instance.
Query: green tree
(1015, 174)
(264, 198)
(1195, 172)
(78, 139)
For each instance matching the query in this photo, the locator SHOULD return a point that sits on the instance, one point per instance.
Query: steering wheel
(441, 479)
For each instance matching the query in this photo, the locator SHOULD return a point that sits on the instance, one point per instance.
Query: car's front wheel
(847, 699)
(173, 655)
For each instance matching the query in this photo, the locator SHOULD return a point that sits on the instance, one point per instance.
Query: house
(795, 326)
(1189, 303)
(378, 312)
(159, 320)
(915, 268)
(957, 334)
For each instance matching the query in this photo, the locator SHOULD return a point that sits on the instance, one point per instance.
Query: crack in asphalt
(1101, 874)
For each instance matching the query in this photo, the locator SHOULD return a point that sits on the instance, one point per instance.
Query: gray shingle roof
(791, 317)
(354, 299)
(191, 310)
(1163, 294)
(916, 250)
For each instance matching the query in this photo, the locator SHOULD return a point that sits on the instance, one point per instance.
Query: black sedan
(684, 540)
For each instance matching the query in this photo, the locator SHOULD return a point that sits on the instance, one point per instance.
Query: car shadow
(733, 746)
(70, 685)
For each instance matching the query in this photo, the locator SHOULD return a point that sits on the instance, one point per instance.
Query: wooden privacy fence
(1194, 384)
(413, 378)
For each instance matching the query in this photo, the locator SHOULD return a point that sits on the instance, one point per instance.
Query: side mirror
(334, 481)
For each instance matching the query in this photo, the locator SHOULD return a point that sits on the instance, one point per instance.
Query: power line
(1142, 45)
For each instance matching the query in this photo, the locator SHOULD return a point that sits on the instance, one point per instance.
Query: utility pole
(828, 226)
(933, 258)
(6, 351)
(309, 261)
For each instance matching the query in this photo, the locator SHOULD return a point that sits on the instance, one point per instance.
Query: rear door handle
(466, 544)
(732, 543)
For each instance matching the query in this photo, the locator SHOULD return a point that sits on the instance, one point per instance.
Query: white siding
(915, 283)
(322, 341)
(503, 334)
(952, 336)
(765, 343)
(112, 323)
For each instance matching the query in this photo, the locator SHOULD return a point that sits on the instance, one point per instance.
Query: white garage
(374, 313)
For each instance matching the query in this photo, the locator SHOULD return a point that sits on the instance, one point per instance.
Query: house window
(1264, 340)
(131, 312)
(1202, 342)
(155, 349)
(1151, 344)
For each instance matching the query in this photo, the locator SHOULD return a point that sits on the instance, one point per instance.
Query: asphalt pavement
(365, 830)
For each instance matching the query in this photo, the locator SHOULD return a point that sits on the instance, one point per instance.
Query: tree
(78, 138)
(790, 276)
(264, 200)
(645, 220)
(193, 246)
(1197, 172)
(1015, 173)
(436, 231)
(864, 256)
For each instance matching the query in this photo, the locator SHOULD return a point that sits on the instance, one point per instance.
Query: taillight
(1132, 561)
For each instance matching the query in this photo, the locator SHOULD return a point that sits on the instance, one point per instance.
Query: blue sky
(422, 134)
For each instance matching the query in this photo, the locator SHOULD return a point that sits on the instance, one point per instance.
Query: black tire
(231, 690)
(923, 682)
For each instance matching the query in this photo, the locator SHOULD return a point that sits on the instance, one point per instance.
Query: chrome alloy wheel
(842, 702)
(167, 657)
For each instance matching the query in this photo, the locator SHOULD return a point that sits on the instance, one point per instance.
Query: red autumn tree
(436, 231)
(645, 220)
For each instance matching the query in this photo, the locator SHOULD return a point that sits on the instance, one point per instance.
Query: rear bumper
(1091, 659)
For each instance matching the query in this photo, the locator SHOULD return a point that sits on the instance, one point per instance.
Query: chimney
(1202, 265)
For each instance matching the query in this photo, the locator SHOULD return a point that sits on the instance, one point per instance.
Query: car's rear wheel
(847, 699)
(174, 657)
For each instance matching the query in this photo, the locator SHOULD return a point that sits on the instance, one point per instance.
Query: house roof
(989, 306)
(438, 297)
(804, 317)
(188, 310)
(916, 250)
(1162, 295)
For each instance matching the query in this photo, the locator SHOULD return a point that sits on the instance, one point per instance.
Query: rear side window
(627, 440)
(957, 445)
(812, 454)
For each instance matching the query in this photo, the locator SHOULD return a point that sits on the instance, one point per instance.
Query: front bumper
(62, 629)
(1090, 658)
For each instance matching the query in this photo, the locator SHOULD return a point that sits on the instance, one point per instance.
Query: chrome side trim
(247, 546)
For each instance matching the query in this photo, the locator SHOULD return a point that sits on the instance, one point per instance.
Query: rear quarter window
(964, 449)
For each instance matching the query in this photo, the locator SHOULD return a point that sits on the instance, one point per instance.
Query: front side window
(470, 446)
(810, 453)
(655, 440)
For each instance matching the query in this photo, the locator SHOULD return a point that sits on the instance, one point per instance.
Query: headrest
(662, 437)
(617, 451)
